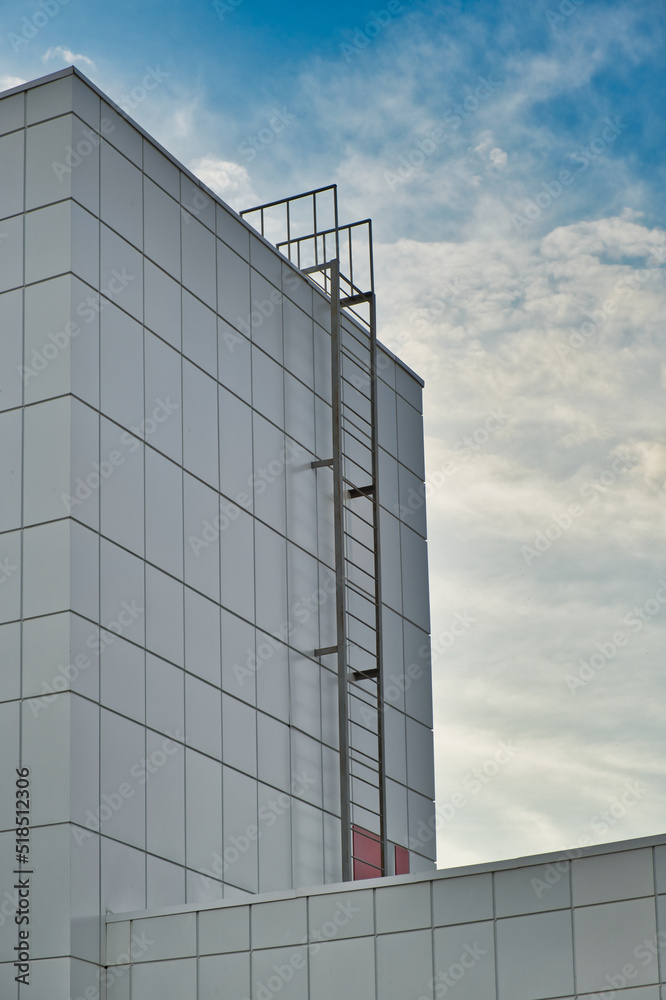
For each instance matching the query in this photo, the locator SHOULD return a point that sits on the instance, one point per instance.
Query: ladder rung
(352, 334)
(359, 517)
(353, 359)
(369, 698)
(326, 651)
(356, 541)
(365, 675)
(369, 573)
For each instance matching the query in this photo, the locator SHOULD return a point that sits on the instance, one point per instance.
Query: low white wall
(581, 924)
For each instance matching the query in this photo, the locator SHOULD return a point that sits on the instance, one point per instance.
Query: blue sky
(511, 157)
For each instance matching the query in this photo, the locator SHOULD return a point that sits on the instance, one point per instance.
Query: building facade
(180, 555)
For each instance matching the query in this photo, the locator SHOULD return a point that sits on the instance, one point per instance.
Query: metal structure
(339, 259)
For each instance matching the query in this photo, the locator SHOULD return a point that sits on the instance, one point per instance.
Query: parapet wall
(580, 924)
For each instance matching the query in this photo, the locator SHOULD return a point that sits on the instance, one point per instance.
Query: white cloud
(488, 150)
(498, 157)
(66, 56)
(230, 181)
(8, 82)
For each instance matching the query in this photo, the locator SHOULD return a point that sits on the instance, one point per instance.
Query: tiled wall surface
(565, 927)
(164, 387)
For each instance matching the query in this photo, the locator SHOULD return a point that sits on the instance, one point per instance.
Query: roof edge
(49, 78)
(552, 857)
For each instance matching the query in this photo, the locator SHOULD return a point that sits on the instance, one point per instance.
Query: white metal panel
(11, 321)
(11, 254)
(122, 810)
(164, 513)
(606, 938)
(121, 487)
(199, 334)
(404, 965)
(46, 145)
(120, 269)
(203, 815)
(121, 194)
(162, 304)
(202, 637)
(534, 956)
(198, 249)
(239, 731)
(240, 830)
(469, 947)
(164, 615)
(121, 362)
(162, 228)
(266, 315)
(200, 439)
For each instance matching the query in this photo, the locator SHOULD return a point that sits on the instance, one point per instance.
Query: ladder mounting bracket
(326, 651)
(365, 675)
(361, 491)
(355, 300)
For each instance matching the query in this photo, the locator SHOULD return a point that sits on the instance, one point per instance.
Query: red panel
(363, 870)
(367, 847)
(367, 854)
(401, 860)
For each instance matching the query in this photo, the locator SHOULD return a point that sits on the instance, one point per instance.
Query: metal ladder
(326, 254)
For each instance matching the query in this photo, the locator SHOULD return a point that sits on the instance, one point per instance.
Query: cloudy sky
(510, 153)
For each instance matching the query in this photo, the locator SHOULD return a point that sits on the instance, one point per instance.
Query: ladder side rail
(338, 516)
(378, 569)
